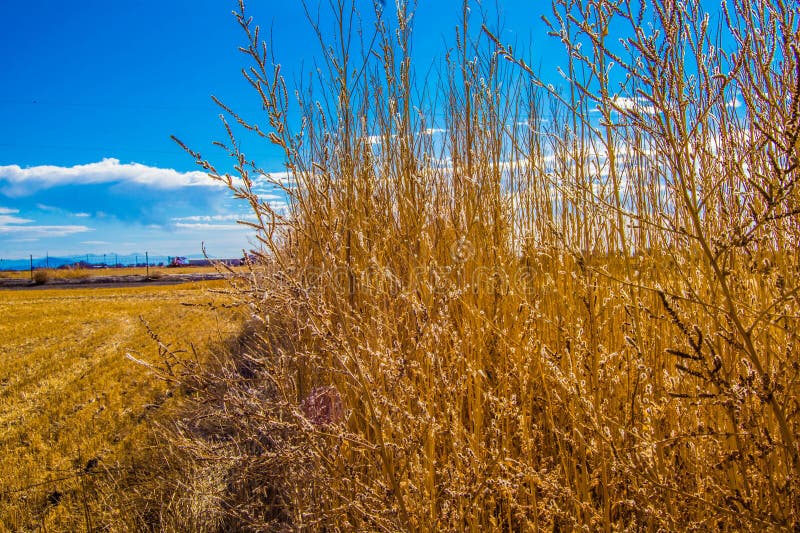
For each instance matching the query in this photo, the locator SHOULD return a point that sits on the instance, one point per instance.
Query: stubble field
(74, 410)
(85, 273)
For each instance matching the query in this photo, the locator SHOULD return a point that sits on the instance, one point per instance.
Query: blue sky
(92, 90)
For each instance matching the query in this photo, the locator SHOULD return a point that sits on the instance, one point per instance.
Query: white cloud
(35, 232)
(378, 139)
(270, 197)
(207, 226)
(59, 211)
(96, 243)
(20, 230)
(215, 218)
(634, 104)
(8, 219)
(733, 103)
(23, 181)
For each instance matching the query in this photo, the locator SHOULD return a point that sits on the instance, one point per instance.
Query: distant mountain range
(89, 260)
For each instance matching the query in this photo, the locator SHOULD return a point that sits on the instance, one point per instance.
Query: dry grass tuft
(588, 322)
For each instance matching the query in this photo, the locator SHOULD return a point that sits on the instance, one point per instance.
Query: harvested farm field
(106, 277)
(75, 412)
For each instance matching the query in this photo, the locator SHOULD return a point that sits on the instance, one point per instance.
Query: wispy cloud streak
(37, 232)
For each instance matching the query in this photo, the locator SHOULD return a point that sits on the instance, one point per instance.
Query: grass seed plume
(572, 307)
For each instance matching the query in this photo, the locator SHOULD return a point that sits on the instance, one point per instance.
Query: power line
(107, 105)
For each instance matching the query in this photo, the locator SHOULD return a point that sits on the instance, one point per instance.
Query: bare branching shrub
(554, 308)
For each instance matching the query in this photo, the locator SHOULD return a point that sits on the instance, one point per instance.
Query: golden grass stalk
(586, 323)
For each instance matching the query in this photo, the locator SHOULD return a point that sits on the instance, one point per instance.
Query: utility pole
(47, 259)
(31, 266)
(147, 262)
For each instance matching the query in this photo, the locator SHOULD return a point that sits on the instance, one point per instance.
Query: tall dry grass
(575, 307)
